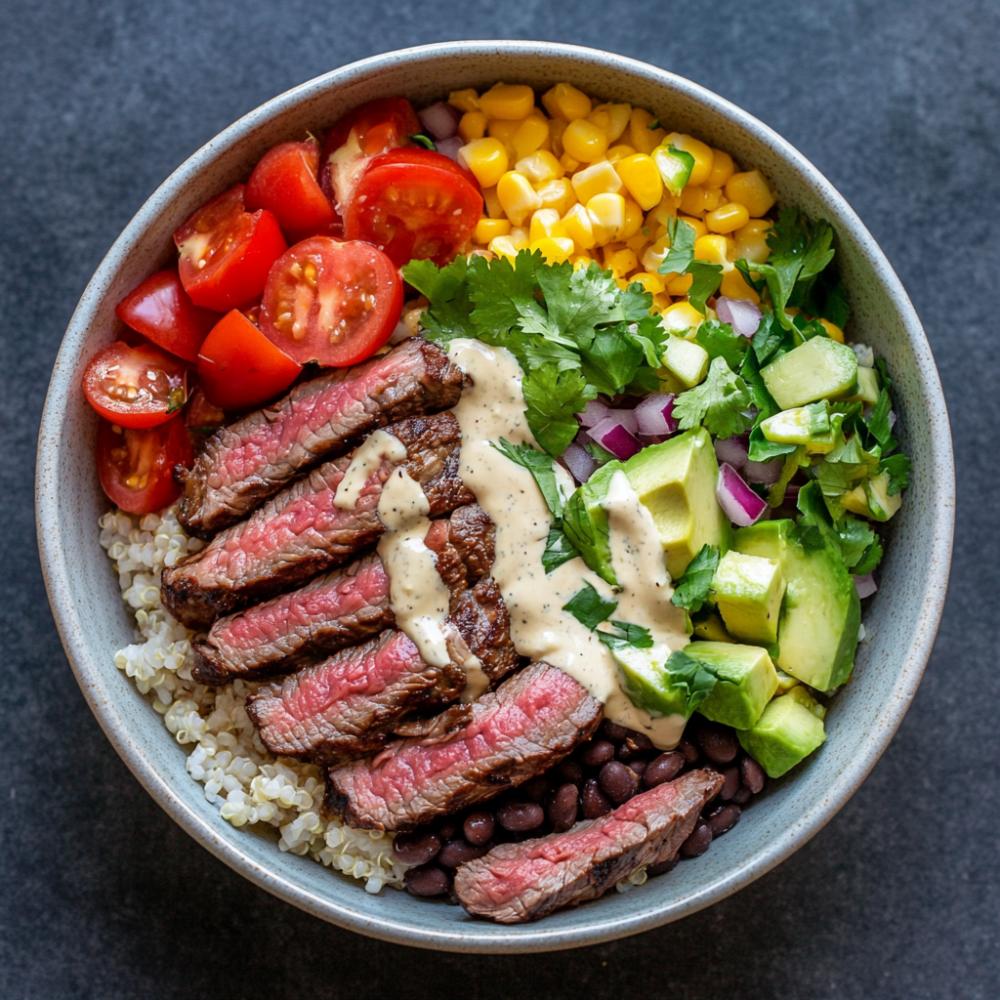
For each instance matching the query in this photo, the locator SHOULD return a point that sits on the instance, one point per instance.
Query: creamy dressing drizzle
(492, 407)
(378, 447)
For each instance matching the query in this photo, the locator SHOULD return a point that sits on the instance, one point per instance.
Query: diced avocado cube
(785, 734)
(746, 681)
(709, 626)
(800, 693)
(818, 369)
(675, 481)
(867, 388)
(586, 522)
(856, 501)
(675, 166)
(748, 592)
(686, 361)
(818, 626)
(786, 682)
(881, 504)
(653, 681)
(799, 425)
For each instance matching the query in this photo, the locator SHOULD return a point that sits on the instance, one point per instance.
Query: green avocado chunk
(709, 626)
(821, 614)
(586, 522)
(748, 591)
(745, 681)
(686, 361)
(785, 734)
(818, 369)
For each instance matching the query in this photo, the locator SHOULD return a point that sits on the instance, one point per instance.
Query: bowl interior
(901, 620)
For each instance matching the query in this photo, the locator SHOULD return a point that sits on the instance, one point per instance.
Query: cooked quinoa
(241, 778)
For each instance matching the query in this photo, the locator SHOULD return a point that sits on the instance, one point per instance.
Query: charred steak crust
(253, 458)
(514, 883)
(483, 621)
(300, 533)
(530, 722)
(346, 606)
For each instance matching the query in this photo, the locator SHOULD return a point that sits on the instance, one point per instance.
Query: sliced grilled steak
(345, 607)
(515, 883)
(532, 721)
(349, 703)
(301, 532)
(250, 460)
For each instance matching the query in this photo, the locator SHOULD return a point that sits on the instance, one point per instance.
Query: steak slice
(514, 883)
(350, 702)
(248, 461)
(345, 607)
(530, 722)
(301, 532)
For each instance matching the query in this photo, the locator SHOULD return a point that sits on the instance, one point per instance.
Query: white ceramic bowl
(901, 621)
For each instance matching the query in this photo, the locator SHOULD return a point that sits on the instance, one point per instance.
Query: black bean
(690, 751)
(571, 771)
(730, 784)
(723, 819)
(743, 796)
(663, 867)
(593, 800)
(447, 828)
(698, 842)
(618, 781)
(517, 817)
(639, 766)
(457, 852)
(416, 848)
(478, 827)
(717, 743)
(753, 775)
(563, 807)
(536, 789)
(599, 752)
(427, 880)
(634, 743)
(613, 731)
(666, 767)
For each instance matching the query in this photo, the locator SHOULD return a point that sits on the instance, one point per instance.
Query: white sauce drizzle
(378, 447)
(492, 407)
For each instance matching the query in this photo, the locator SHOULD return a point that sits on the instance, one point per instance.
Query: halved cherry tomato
(136, 467)
(162, 311)
(239, 367)
(227, 251)
(417, 154)
(135, 386)
(413, 207)
(331, 302)
(286, 181)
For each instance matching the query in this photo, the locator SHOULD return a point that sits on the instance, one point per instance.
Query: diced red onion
(654, 415)
(593, 413)
(765, 473)
(625, 417)
(739, 503)
(579, 463)
(613, 435)
(450, 147)
(741, 314)
(732, 450)
(440, 120)
(865, 585)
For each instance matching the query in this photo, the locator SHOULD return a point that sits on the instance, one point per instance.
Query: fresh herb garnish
(692, 589)
(589, 608)
(423, 140)
(720, 340)
(718, 403)
(680, 259)
(625, 634)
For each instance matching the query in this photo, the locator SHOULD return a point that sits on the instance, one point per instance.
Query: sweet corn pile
(581, 181)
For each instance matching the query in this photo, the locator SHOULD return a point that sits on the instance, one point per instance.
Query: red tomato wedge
(332, 302)
(239, 367)
(162, 311)
(135, 386)
(286, 182)
(136, 467)
(226, 252)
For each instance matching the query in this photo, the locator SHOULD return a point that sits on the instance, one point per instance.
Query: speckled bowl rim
(473, 936)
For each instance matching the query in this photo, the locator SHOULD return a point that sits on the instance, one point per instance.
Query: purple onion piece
(654, 415)
(739, 503)
(741, 314)
(440, 120)
(626, 418)
(593, 413)
(612, 435)
(865, 585)
(764, 473)
(732, 450)
(450, 147)
(579, 463)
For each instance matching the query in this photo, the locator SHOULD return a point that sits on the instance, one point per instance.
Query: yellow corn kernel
(493, 207)
(539, 167)
(607, 216)
(722, 169)
(834, 331)
(623, 262)
(464, 100)
(500, 128)
(517, 197)
(751, 241)
(581, 260)
(545, 222)
(698, 200)
(652, 283)
(681, 316)
(652, 256)
(577, 226)
(644, 133)
(701, 152)
(509, 101)
(557, 194)
(503, 246)
(613, 119)
(642, 178)
(555, 249)
(661, 302)
(750, 189)
(584, 141)
(633, 220)
(595, 179)
(733, 286)
(566, 102)
(531, 134)
(679, 284)
(711, 248)
(472, 126)
(486, 158)
(639, 240)
(619, 152)
(727, 218)
(487, 229)
(569, 164)
(697, 225)
(556, 128)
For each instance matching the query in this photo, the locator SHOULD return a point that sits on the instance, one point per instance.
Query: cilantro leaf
(769, 339)
(423, 140)
(692, 589)
(878, 424)
(625, 634)
(718, 403)
(707, 278)
(445, 288)
(589, 608)
(541, 467)
(600, 455)
(870, 559)
(759, 396)
(681, 251)
(722, 341)
(898, 468)
(691, 677)
(558, 549)
(762, 450)
(552, 398)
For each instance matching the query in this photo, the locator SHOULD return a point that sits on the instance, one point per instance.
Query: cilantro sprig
(589, 608)
(692, 589)
(680, 259)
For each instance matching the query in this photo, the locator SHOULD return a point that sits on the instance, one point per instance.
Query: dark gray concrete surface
(102, 896)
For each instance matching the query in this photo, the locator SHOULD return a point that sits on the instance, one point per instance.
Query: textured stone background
(102, 896)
